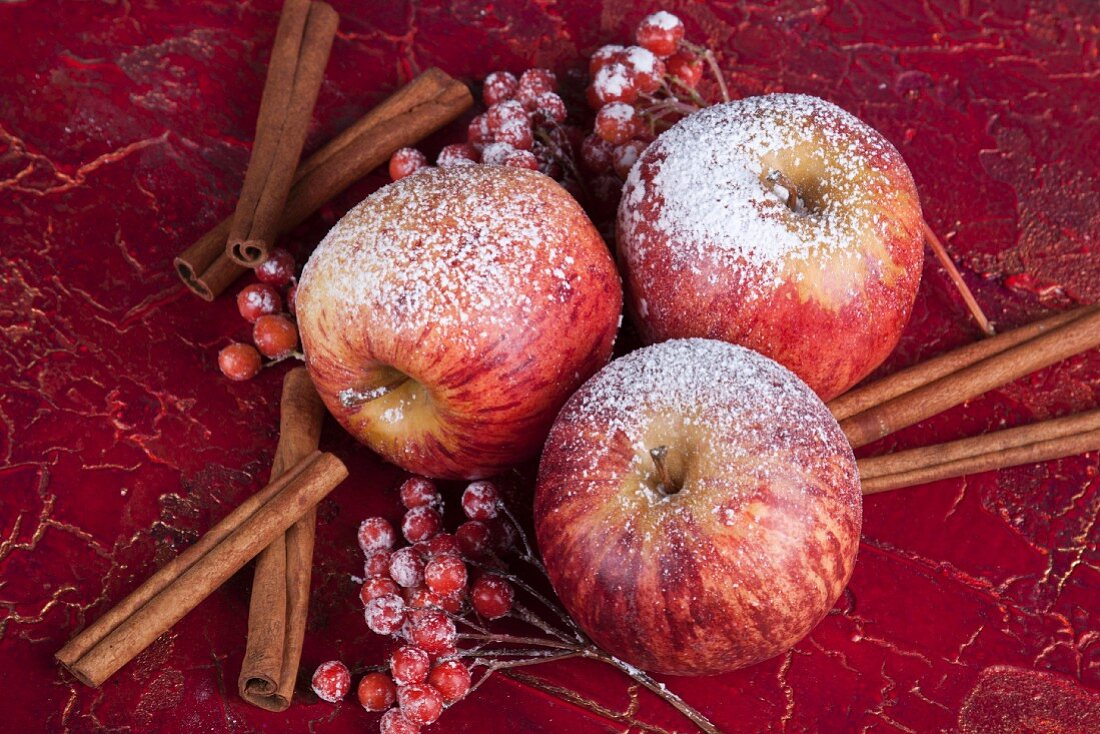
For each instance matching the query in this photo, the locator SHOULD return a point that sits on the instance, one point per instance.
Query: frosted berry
(375, 587)
(420, 703)
(685, 67)
(547, 109)
(661, 33)
(452, 602)
(626, 155)
(617, 122)
(443, 544)
(385, 614)
(536, 81)
(421, 523)
(445, 575)
(418, 492)
(292, 300)
(474, 539)
(649, 71)
(458, 154)
(394, 722)
(491, 596)
(258, 299)
(495, 154)
(431, 630)
(422, 597)
(596, 154)
(481, 500)
(277, 269)
(503, 534)
(405, 162)
(406, 567)
(239, 362)
(331, 681)
(479, 134)
(499, 86)
(521, 159)
(603, 56)
(275, 335)
(452, 679)
(376, 534)
(377, 692)
(377, 564)
(409, 664)
(613, 83)
(507, 116)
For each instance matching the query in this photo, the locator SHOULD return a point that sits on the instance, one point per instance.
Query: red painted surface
(124, 132)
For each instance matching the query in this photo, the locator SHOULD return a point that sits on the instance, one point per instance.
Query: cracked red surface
(124, 132)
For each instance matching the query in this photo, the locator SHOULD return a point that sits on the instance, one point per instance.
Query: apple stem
(956, 279)
(778, 178)
(665, 485)
(353, 398)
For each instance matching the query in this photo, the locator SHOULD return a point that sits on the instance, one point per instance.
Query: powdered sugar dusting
(708, 186)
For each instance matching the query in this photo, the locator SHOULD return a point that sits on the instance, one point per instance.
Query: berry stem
(956, 279)
(491, 668)
(523, 613)
(517, 640)
(558, 611)
(712, 62)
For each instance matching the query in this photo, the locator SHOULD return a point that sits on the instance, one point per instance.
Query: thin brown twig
(956, 279)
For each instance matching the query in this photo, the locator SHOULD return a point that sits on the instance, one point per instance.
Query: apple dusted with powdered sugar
(698, 508)
(447, 317)
(781, 223)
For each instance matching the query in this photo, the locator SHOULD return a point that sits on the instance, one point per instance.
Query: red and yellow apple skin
(752, 550)
(476, 298)
(711, 247)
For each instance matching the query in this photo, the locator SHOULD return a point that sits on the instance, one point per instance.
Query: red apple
(698, 508)
(447, 317)
(781, 223)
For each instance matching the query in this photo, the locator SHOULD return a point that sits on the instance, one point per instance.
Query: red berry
(376, 534)
(452, 602)
(536, 81)
(258, 299)
(510, 124)
(685, 67)
(661, 33)
(596, 154)
(491, 596)
(443, 544)
(375, 587)
(432, 631)
(503, 534)
(458, 154)
(377, 692)
(617, 122)
(331, 681)
(409, 665)
(521, 159)
(405, 162)
(277, 269)
(421, 523)
(495, 154)
(625, 155)
(452, 679)
(418, 492)
(422, 598)
(614, 83)
(499, 86)
(480, 500)
(385, 614)
(377, 564)
(394, 722)
(420, 703)
(603, 56)
(292, 300)
(239, 361)
(479, 134)
(547, 109)
(275, 335)
(649, 71)
(406, 567)
(445, 575)
(474, 539)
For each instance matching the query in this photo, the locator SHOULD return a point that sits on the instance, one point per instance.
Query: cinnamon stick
(1043, 441)
(302, 45)
(177, 588)
(934, 397)
(280, 585)
(862, 398)
(418, 109)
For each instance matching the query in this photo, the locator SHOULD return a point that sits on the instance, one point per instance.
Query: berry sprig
(452, 607)
(274, 331)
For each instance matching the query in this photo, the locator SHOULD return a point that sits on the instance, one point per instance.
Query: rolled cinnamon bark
(418, 109)
(280, 585)
(302, 45)
(177, 588)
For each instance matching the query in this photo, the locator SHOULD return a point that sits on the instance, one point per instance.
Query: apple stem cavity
(353, 397)
(785, 189)
(665, 485)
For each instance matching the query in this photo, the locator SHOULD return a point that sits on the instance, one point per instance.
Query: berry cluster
(416, 592)
(274, 333)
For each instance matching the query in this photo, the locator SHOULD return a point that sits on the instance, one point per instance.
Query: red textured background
(124, 133)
